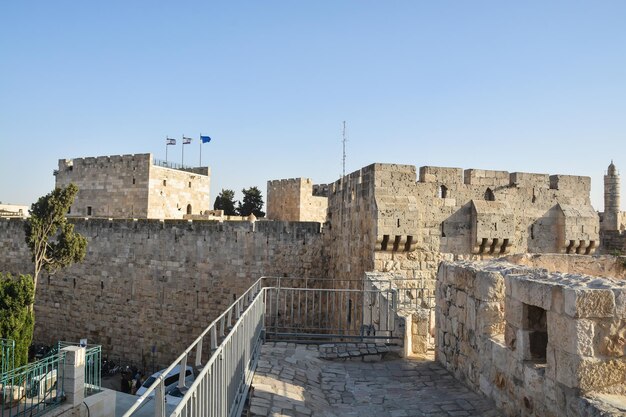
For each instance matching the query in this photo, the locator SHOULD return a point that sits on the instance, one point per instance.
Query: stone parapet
(543, 341)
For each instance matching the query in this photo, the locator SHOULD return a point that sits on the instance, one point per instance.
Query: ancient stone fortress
(297, 200)
(134, 186)
(148, 287)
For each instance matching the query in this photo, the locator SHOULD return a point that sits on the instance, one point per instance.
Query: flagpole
(200, 150)
(182, 153)
(166, 150)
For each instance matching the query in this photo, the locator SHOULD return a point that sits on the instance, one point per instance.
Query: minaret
(611, 199)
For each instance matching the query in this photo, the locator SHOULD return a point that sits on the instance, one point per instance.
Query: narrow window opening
(189, 184)
(535, 322)
(69, 210)
(532, 231)
(349, 311)
(443, 192)
(164, 183)
(489, 195)
(88, 210)
(74, 282)
(133, 181)
(188, 208)
(443, 231)
(398, 223)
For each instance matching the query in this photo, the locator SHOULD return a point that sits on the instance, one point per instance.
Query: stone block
(571, 335)
(488, 286)
(513, 312)
(588, 302)
(490, 318)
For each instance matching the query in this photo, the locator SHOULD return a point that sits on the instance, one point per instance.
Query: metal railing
(221, 387)
(34, 388)
(306, 312)
(93, 363)
(168, 164)
(7, 350)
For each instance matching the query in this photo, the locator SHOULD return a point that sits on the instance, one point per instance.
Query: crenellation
(131, 186)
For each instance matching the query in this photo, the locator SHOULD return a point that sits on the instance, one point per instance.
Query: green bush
(17, 320)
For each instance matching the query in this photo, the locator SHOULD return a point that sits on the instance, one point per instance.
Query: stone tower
(610, 219)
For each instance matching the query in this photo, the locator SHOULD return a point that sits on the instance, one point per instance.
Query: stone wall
(131, 186)
(296, 200)
(382, 218)
(148, 282)
(174, 193)
(537, 343)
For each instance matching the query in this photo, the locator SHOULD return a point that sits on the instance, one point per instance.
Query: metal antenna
(344, 148)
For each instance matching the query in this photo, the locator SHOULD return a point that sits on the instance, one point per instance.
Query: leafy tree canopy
(50, 238)
(226, 201)
(16, 318)
(252, 203)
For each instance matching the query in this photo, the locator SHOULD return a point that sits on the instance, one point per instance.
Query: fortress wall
(296, 199)
(351, 236)
(172, 191)
(413, 225)
(147, 282)
(125, 177)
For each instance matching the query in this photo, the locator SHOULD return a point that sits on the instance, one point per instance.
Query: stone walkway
(292, 380)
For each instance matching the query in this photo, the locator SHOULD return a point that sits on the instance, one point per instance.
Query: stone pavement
(292, 380)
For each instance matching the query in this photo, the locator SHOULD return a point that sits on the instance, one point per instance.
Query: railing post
(199, 353)
(159, 399)
(183, 370)
(214, 338)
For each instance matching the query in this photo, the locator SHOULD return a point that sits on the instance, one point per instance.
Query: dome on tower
(612, 170)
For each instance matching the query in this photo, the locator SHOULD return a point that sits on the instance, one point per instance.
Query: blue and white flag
(186, 141)
(171, 141)
(205, 139)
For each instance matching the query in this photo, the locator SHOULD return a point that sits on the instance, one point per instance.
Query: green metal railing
(34, 388)
(7, 350)
(93, 362)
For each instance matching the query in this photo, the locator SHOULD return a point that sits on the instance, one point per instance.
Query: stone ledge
(353, 351)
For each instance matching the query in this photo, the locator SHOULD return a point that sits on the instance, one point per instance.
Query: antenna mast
(344, 148)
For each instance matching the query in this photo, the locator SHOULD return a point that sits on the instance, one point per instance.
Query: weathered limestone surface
(150, 283)
(296, 199)
(538, 343)
(131, 186)
(383, 218)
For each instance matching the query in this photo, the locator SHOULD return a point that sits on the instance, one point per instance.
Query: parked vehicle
(171, 380)
(175, 396)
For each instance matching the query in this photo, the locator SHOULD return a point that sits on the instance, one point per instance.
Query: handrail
(197, 343)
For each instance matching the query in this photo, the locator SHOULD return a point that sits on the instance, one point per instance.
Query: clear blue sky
(529, 86)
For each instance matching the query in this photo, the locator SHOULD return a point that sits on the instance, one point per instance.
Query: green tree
(50, 238)
(16, 317)
(226, 201)
(252, 203)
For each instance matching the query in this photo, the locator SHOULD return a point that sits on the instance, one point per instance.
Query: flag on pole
(171, 141)
(205, 139)
(186, 141)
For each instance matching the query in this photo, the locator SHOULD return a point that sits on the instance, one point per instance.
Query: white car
(175, 396)
(171, 380)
